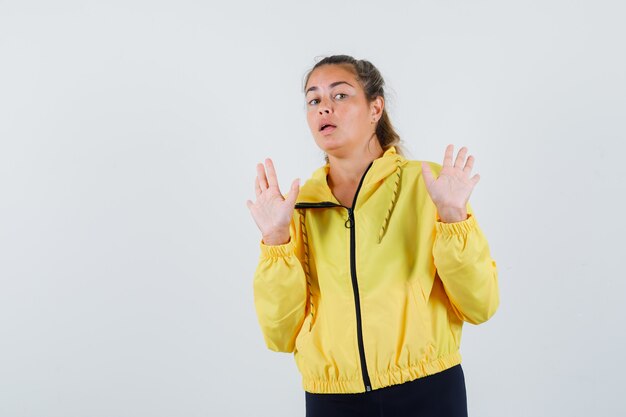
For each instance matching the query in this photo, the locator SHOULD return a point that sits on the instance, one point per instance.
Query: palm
(272, 212)
(453, 187)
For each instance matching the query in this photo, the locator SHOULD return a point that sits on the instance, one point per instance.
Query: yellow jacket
(377, 295)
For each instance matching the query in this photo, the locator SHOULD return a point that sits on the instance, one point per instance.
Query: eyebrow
(336, 83)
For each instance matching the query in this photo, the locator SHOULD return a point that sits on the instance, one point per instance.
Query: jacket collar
(316, 189)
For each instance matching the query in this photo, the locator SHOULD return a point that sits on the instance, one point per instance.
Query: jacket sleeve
(280, 291)
(464, 264)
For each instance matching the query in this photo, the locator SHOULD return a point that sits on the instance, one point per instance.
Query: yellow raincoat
(375, 295)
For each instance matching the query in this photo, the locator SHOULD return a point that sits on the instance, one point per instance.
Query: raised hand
(271, 212)
(451, 190)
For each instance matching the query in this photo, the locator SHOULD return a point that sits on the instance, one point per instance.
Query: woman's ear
(377, 106)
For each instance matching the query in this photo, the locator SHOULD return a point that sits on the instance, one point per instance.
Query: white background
(129, 134)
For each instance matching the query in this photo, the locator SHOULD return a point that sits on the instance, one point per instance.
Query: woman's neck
(345, 172)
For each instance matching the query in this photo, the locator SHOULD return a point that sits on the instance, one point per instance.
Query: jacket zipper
(355, 285)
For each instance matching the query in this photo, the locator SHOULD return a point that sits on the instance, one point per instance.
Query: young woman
(368, 271)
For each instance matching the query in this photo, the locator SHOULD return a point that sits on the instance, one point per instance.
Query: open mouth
(327, 127)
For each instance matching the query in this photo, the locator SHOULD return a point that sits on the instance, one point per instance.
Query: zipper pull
(368, 388)
(348, 223)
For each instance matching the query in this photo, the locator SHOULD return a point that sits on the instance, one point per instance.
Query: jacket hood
(316, 190)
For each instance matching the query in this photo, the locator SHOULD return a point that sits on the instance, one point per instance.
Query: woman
(369, 270)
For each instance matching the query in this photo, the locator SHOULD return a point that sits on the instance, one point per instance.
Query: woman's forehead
(326, 75)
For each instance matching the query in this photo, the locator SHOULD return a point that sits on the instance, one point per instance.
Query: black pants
(438, 395)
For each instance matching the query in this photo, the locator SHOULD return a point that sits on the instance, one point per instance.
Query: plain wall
(129, 134)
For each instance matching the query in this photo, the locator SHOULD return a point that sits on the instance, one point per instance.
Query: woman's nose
(324, 109)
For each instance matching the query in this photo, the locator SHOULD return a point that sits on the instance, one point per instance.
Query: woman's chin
(336, 148)
(329, 144)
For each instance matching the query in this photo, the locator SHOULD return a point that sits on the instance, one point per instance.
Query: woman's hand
(451, 190)
(271, 212)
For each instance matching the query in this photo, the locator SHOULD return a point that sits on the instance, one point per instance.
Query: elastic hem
(456, 228)
(400, 376)
(381, 380)
(276, 251)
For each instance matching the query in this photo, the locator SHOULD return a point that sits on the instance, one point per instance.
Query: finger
(447, 158)
(271, 173)
(460, 157)
(260, 170)
(293, 192)
(257, 187)
(475, 179)
(427, 173)
(469, 165)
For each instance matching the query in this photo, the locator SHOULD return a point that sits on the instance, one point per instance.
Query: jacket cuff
(457, 228)
(275, 251)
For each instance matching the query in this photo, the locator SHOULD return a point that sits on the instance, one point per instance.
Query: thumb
(293, 192)
(427, 174)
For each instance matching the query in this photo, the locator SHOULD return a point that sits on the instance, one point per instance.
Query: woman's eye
(313, 101)
(340, 96)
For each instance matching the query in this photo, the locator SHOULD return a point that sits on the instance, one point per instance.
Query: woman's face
(338, 113)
